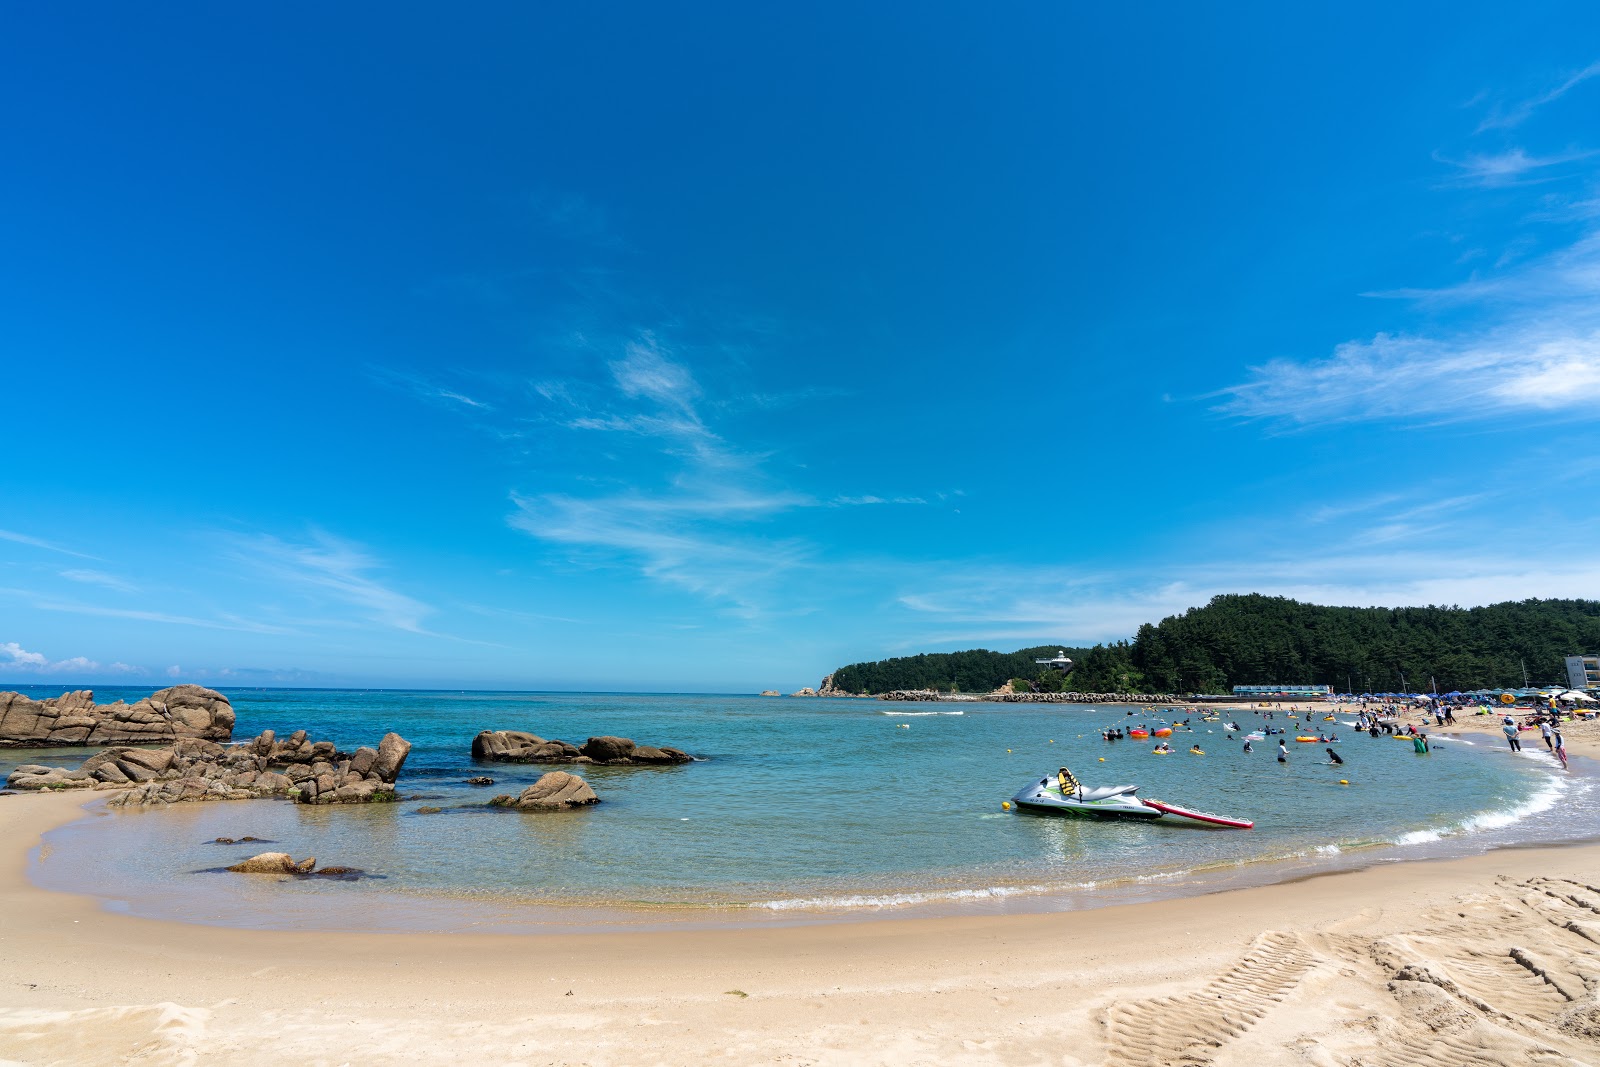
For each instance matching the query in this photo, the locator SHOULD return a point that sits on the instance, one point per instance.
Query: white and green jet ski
(1065, 795)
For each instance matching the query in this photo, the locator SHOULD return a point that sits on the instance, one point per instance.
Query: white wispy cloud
(703, 526)
(1503, 117)
(654, 536)
(331, 569)
(1526, 367)
(44, 602)
(1511, 167)
(100, 578)
(48, 546)
(646, 372)
(425, 388)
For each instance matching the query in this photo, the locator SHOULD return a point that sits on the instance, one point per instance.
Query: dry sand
(1493, 959)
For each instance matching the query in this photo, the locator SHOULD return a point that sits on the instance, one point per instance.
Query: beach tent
(1573, 694)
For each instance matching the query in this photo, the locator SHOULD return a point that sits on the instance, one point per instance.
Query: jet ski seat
(1105, 792)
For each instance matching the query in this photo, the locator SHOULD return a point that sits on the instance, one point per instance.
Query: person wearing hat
(1509, 727)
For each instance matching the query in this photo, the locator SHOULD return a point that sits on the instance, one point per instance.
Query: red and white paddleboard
(1199, 816)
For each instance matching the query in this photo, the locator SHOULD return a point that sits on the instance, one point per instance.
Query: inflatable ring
(1310, 739)
(1507, 698)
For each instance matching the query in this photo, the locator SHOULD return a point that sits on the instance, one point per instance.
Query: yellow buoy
(1006, 804)
(1344, 781)
(1102, 759)
(1008, 750)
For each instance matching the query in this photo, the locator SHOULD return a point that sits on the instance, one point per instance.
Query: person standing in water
(1509, 728)
(1544, 732)
(1559, 747)
(1283, 753)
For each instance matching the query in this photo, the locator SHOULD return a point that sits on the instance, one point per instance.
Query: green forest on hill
(1261, 640)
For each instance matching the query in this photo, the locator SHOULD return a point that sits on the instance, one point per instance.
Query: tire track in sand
(1187, 1030)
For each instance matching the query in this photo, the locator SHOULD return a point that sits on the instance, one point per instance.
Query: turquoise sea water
(800, 808)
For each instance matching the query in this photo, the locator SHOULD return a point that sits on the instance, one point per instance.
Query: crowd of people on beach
(1376, 718)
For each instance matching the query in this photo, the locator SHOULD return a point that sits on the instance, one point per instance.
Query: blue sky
(709, 349)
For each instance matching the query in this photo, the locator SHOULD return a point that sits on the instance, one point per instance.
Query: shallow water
(800, 807)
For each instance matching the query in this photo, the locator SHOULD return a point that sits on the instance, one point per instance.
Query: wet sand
(1489, 959)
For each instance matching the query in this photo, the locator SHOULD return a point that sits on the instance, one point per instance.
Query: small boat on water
(1065, 795)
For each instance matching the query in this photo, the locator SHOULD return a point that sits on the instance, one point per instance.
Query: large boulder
(609, 749)
(516, 746)
(392, 753)
(555, 791)
(181, 711)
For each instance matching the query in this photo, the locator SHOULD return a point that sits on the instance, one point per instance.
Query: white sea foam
(1542, 799)
(915, 714)
(900, 900)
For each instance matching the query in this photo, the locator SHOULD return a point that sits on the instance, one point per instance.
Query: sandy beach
(1492, 959)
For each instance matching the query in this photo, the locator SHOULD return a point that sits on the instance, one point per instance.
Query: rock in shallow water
(274, 863)
(555, 791)
(515, 746)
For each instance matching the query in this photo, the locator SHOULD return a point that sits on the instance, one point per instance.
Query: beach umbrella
(1573, 694)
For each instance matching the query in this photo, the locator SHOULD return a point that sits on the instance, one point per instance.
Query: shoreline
(1323, 954)
(480, 912)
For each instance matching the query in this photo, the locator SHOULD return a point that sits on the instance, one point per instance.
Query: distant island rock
(771, 693)
(75, 719)
(515, 746)
(555, 791)
(191, 769)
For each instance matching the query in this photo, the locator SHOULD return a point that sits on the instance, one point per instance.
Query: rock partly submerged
(283, 863)
(75, 719)
(514, 746)
(556, 791)
(190, 769)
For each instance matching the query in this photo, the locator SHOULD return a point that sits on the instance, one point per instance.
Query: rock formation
(771, 693)
(283, 863)
(75, 719)
(828, 689)
(555, 791)
(191, 769)
(274, 863)
(805, 692)
(513, 746)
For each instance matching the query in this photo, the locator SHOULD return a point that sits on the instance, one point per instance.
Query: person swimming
(1247, 747)
(1333, 757)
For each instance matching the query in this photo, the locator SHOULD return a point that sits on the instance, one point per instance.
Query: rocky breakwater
(190, 769)
(75, 719)
(1085, 698)
(1004, 697)
(514, 746)
(556, 791)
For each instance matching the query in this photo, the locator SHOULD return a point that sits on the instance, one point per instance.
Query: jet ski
(1065, 795)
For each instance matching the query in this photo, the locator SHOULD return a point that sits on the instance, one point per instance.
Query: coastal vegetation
(976, 670)
(1262, 640)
